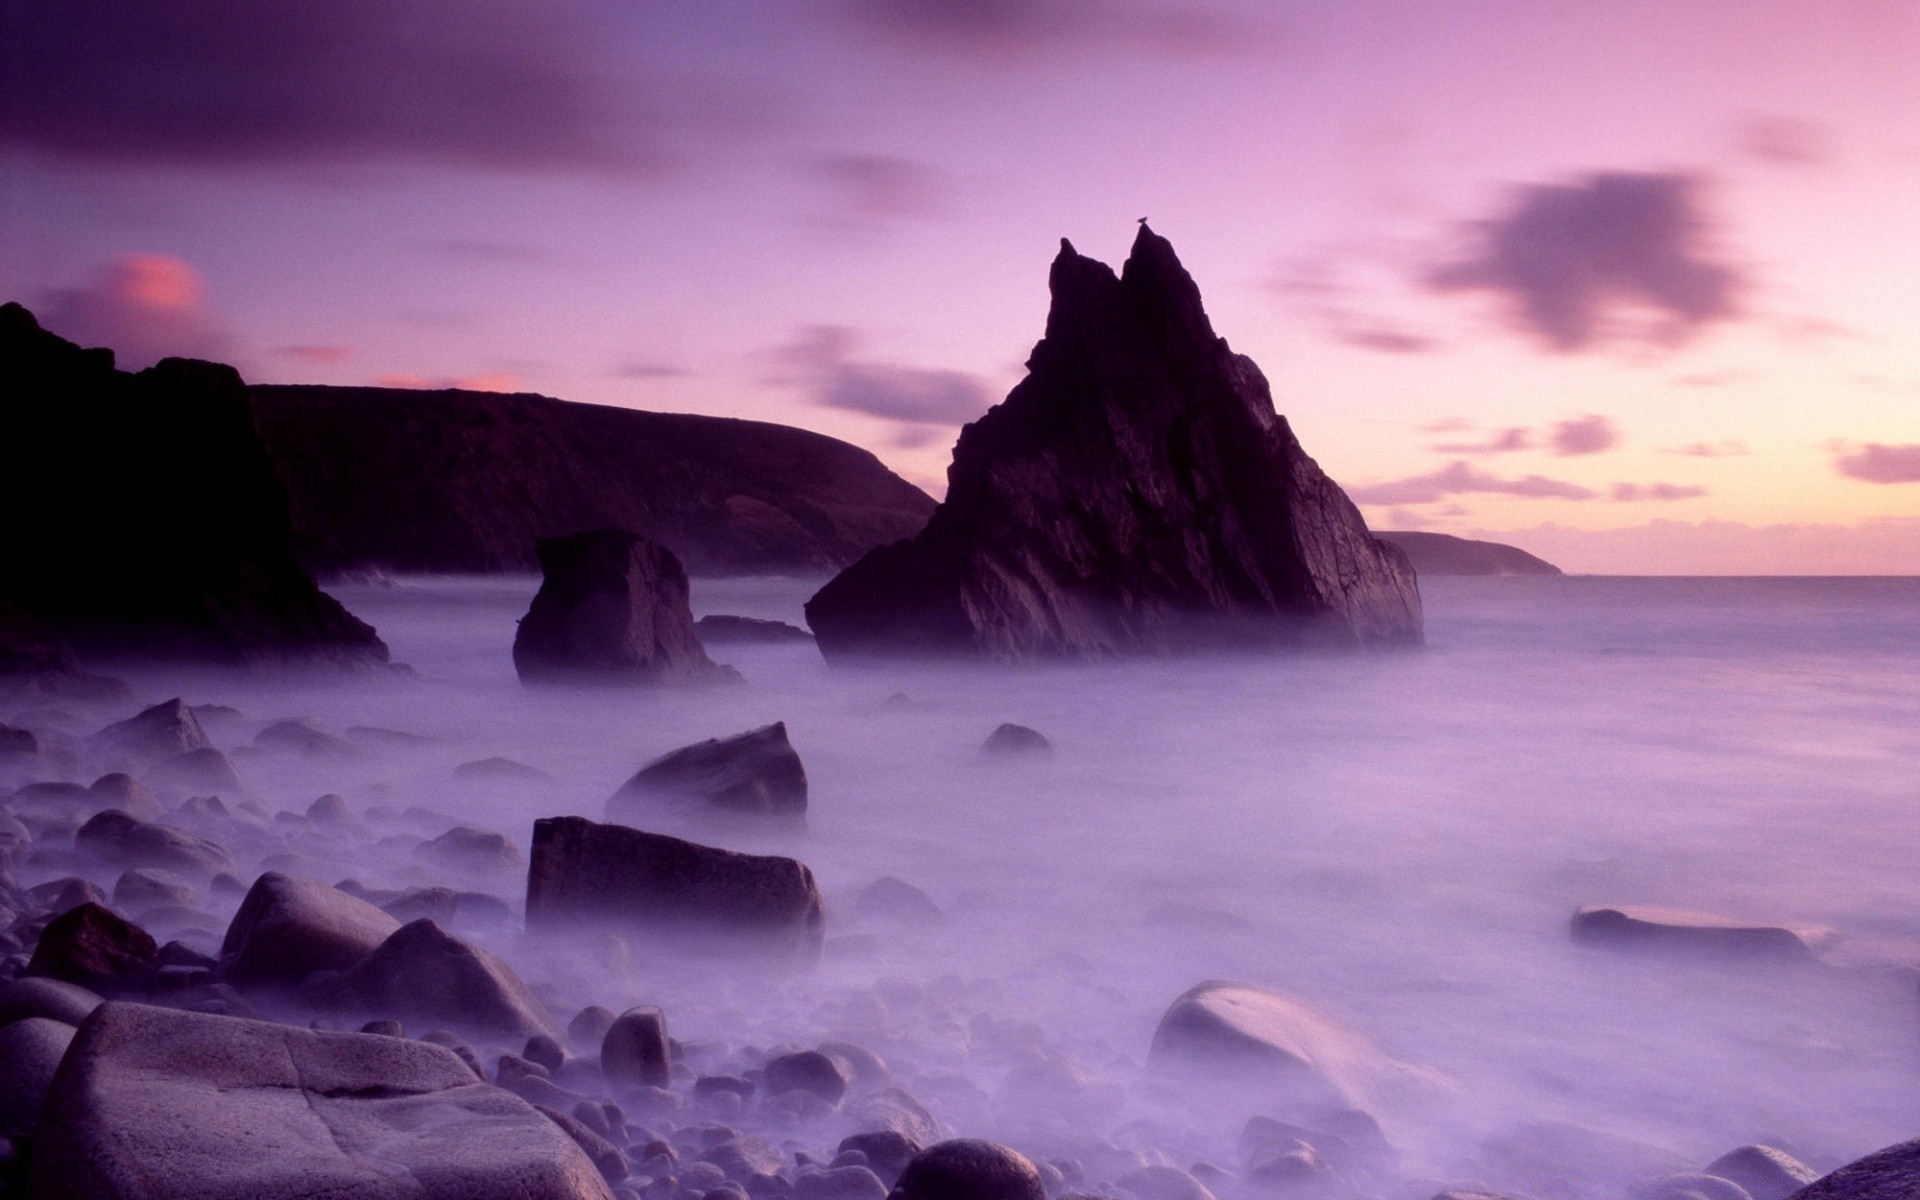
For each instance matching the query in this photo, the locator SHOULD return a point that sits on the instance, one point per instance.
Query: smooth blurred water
(1398, 839)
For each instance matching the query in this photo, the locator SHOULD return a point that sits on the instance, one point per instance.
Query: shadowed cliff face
(1135, 494)
(146, 517)
(469, 481)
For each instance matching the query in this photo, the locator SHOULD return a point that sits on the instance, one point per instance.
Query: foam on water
(1399, 840)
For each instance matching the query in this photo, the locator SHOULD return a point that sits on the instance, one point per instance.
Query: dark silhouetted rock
(1135, 494)
(154, 734)
(757, 772)
(1232, 1031)
(289, 928)
(126, 841)
(633, 1052)
(469, 481)
(424, 973)
(720, 628)
(806, 1071)
(172, 537)
(1767, 1172)
(95, 948)
(153, 1102)
(1014, 741)
(1889, 1174)
(653, 884)
(970, 1169)
(612, 608)
(1699, 934)
(1444, 554)
(37, 664)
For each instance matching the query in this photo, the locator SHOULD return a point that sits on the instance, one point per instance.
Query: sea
(1397, 841)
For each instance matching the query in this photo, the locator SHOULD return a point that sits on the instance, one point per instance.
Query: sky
(1633, 284)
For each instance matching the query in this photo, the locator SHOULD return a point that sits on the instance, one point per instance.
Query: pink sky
(1633, 285)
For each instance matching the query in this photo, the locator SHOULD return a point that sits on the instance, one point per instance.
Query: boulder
(1235, 1032)
(124, 792)
(757, 772)
(302, 737)
(1013, 741)
(147, 887)
(722, 627)
(424, 973)
(153, 734)
(1767, 1172)
(1889, 1174)
(612, 608)
(126, 841)
(204, 770)
(633, 1051)
(95, 948)
(970, 1169)
(173, 538)
(30, 1053)
(654, 884)
(806, 1071)
(1135, 494)
(840, 1183)
(891, 899)
(464, 849)
(887, 1151)
(153, 1102)
(1643, 927)
(68, 1003)
(289, 928)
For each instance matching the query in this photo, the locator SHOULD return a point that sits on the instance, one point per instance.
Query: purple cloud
(1729, 449)
(1656, 491)
(144, 307)
(1505, 441)
(1783, 141)
(1003, 28)
(1877, 462)
(821, 361)
(499, 84)
(1461, 477)
(1591, 434)
(1578, 262)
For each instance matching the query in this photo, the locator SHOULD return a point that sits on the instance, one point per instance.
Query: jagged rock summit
(1135, 494)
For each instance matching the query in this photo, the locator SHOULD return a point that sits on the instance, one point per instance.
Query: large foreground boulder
(1135, 494)
(757, 773)
(1298, 1055)
(661, 886)
(612, 608)
(288, 928)
(156, 1104)
(160, 525)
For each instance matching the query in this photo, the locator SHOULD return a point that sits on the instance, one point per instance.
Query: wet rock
(421, 972)
(31, 997)
(302, 737)
(95, 948)
(163, 731)
(634, 1049)
(654, 884)
(807, 1071)
(289, 928)
(198, 770)
(155, 1102)
(1016, 741)
(970, 1169)
(1232, 1031)
(30, 1053)
(1645, 927)
(127, 841)
(718, 628)
(1135, 494)
(757, 773)
(612, 608)
(465, 849)
(124, 792)
(589, 1028)
(149, 886)
(1767, 1172)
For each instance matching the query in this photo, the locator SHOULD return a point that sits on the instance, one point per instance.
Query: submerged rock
(1135, 494)
(152, 1102)
(1679, 931)
(757, 772)
(654, 884)
(612, 608)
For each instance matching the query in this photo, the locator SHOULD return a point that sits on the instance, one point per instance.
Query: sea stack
(1135, 494)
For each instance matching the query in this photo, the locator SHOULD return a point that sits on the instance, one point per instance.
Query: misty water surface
(1398, 839)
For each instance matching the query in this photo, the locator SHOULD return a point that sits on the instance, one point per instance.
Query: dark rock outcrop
(1135, 494)
(1889, 1174)
(581, 871)
(633, 1051)
(757, 773)
(469, 481)
(723, 627)
(95, 948)
(1444, 554)
(154, 1102)
(161, 527)
(612, 608)
(1016, 741)
(970, 1169)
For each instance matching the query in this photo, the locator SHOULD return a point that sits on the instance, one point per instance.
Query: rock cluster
(1135, 494)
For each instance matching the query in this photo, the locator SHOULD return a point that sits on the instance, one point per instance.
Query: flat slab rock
(1649, 927)
(154, 1103)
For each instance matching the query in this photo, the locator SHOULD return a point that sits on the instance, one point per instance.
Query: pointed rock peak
(1154, 275)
